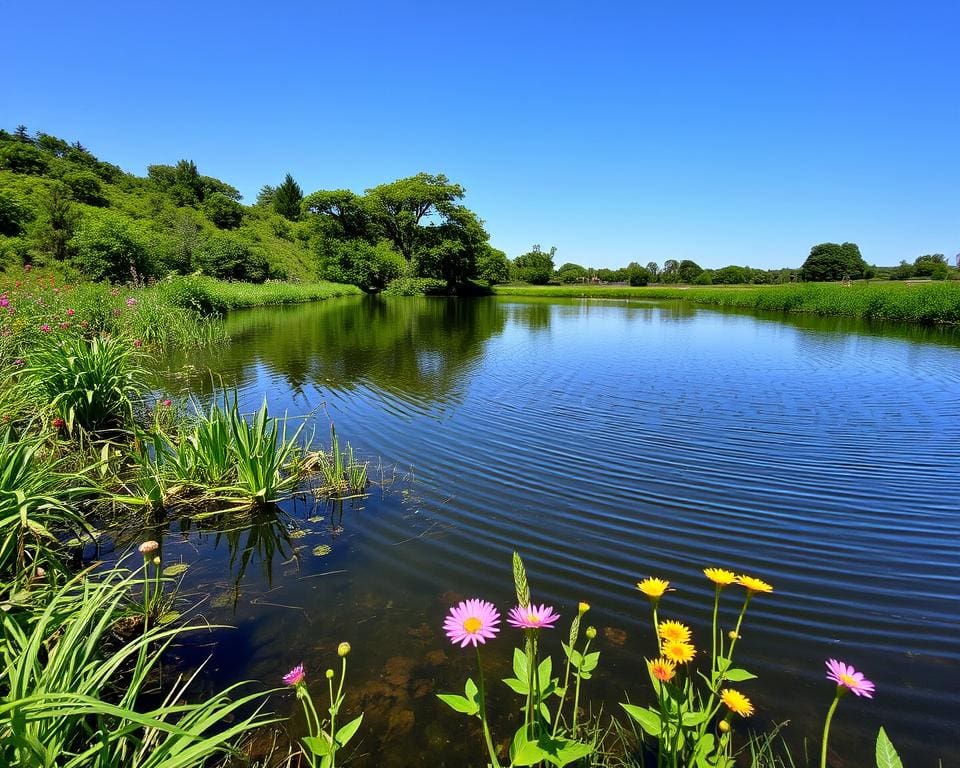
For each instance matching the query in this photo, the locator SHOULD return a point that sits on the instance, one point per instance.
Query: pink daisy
(533, 617)
(472, 621)
(846, 676)
(295, 676)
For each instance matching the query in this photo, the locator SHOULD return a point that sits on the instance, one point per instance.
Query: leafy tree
(85, 187)
(688, 271)
(654, 271)
(223, 211)
(227, 257)
(349, 211)
(669, 272)
(571, 273)
(287, 197)
(13, 215)
(53, 145)
(731, 275)
(265, 196)
(107, 247)
(361, 263)
(637, 275)
(534, 267)
(20, 157)
(493, 266)
(832, 261)
(704, 278)
(57, 222)
(931, 265)
(181, 181)
(903, 272)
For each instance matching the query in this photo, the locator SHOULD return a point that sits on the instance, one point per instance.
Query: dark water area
(606, 442)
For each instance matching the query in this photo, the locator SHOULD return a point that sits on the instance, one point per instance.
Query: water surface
(606, 442)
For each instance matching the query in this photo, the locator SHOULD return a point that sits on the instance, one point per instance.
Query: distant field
(930, 303)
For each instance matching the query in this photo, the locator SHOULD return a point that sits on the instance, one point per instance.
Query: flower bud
(156, 561)
(329, 674)
(148, 548)
(724, 726)
(343, 649)
(583, 608)
(733, 635)
(591, 632)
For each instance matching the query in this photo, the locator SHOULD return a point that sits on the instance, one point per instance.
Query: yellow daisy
(663, 669)
(653, 588)
(753, 585)
(736, 702)
(678, 652)
(673, 631)
(719, 576)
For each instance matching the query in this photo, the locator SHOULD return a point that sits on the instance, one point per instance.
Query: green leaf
(887, 756)
(168, 617)
(317, 745)
(648, 719)
(347, 732)
(738, 675)
(517, 686)
(569, 752)
(694, 718)
(521, 669)
(528, 753)
(590, 662)
(459, 703)
(471, 690)
(175, 570)
(543, 672)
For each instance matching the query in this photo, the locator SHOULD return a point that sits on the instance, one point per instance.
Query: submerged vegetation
(928, 303)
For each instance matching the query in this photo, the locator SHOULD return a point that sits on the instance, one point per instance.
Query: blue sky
(740, 132)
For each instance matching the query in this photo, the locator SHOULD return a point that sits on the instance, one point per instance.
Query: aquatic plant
(325, 739)
(342, 473)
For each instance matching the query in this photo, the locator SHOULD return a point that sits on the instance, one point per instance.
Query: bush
(227, 257)
(23, 158)
(106, 247)
(13, 215)
(85, 187)
(416, 286)
(222, 211)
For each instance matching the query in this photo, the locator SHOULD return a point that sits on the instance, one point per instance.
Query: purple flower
(846, 676)
(471, 622)
(45, 328)
(295, 676)
(131, 302)
(532, 617)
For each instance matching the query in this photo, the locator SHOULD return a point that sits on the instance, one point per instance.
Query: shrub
(222, 211)
(416, 286)
(106, 247)
(85, 187)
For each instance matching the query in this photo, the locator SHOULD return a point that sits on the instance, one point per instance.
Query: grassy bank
(929, 303)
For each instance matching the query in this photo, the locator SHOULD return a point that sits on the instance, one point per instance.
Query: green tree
(181, 181)
(833, 261)
(571, 273)
(493, 267)
(107, 247)
(265, 196)
(223, 211)
(85, 187)
(20, 157)
(287, 197)
(57, 222)
(534, 267)
(349, 211)
(228, 257)
(654, 271)
(933, 265)
(669, 272)
(731, 275)
(13, 215)
(637, 275)
(688, 271)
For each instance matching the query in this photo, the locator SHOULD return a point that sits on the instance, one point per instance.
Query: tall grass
(208, 296)
(342, 473)
(928, 303)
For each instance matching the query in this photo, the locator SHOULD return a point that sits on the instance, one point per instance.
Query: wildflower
(343, 649)
(591, 633)
(719, 576)
(116, 312)
(673, 631)
(59, 423)
(41, 572)
(71, 312)
(64, 326)
(732, 634)
(137, 343)
(663, 669)
(847, 677)
(724, 726)
(653, 588)
(45, 328)
(131, 302)
(736, 702)
(582, 608)
(753, 585)
(4, 301)
(472, 621)
(295, 676)
(678, 652)
(167, 403)
(533, 617)
(19, 362)
(148, 547)
(330, 673)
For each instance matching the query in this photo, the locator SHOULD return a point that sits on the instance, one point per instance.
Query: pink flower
(27, 267)
(4, 301)
(471, 622)
(131, 302)
(45, 328)
(59, 423)
(846, 676)
(167, 403)
(295, 676)
(532, 617)
(18, 363)
(71, 312)
(64, 326)
(137, 343)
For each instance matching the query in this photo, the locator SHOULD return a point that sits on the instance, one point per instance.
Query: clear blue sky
(738, 132)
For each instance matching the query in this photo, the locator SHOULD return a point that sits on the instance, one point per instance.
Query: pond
(606, 442)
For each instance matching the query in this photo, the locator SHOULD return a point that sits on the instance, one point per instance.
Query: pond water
(606, 442)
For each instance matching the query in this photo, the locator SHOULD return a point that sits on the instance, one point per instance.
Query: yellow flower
(674, 631)
(663, 669)
(678, 652)
(653, 588)
(736, 702)
(753, 585)
(582, 608)
(719, 576)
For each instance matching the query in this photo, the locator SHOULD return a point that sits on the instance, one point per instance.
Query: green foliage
(704, 278)
(534, 267)
(223, 211)
(832, 261)
(106, 246)
(360, 263)
(21, 157)
(208, 296)
(13, 215)
(417, 286)
(572, 273)
(228, 257)
(933, 265)
(886, 754)
(688, 271)
(493, 266)
(85, 187)
(287, 198)
(638, 275)
(57, 222)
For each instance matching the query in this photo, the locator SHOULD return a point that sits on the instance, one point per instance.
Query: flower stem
(713, 637)
(826, 730)
(483, 715)
(576, 696)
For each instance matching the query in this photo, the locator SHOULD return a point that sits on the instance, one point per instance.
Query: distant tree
(654, 271)
(348, 210)
(181, 181)
(85, 187)
(704, 278)
(20, 157)
(224, 212)
(57, 222)
(669, 272)
(265, 196)
(534, 267)
(53, 145)
(731, 275)
(22, 134)
(832, 261)
(493, 266)
(637, 275)
(903, 272)
(688, 271)
(932, 265)
(287, 197)
(211, 186)
(13, 215)
(107, 247)
(571, 273)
